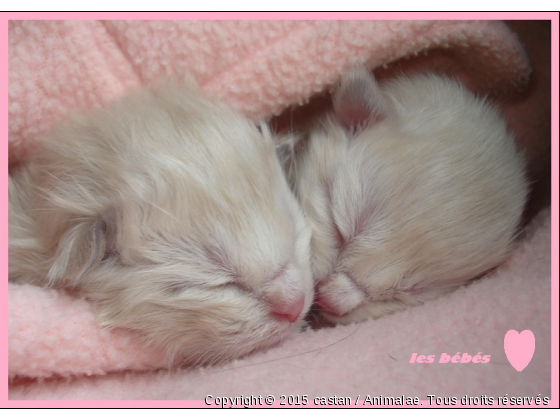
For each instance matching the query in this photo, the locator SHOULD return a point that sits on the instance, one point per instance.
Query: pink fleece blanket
(57, 352)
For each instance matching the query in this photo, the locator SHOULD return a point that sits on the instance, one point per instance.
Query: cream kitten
(171, 213)
(411, 189)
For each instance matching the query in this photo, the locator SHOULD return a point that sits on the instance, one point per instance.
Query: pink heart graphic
(519, 348)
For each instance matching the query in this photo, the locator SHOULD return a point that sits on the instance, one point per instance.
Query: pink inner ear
(358, 101)
(354, 116)
(355, 111)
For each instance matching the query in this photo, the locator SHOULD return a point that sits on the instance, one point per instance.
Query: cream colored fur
(411, 189)
(171, 213)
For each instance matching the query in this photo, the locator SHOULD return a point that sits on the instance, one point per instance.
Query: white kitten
(411, 189)
(171, 213)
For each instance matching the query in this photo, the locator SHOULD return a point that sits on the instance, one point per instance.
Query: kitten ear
(358, 101)
(80, 248)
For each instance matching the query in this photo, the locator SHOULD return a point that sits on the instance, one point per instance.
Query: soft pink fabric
(260, 68)
(53, 333)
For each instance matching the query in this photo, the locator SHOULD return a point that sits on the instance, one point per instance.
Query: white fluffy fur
(411, 189)
(171, 213)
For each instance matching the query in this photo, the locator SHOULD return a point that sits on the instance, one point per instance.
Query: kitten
(172, 215)
(411, 189)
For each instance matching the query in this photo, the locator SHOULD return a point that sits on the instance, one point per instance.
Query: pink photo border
(5, 17)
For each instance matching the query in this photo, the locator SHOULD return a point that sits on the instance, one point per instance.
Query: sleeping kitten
(411, 189)
(171, 214)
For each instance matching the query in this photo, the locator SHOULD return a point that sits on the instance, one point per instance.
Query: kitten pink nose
(288, 310)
